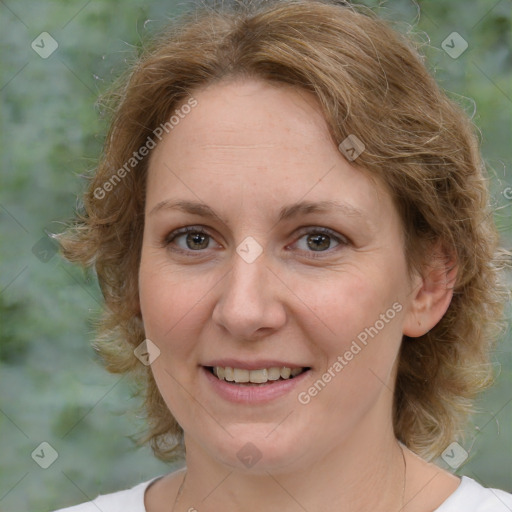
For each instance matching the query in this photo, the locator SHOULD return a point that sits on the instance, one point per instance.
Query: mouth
(254, 382)
(256, 377)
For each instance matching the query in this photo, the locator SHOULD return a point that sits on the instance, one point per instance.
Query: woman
(290, 229)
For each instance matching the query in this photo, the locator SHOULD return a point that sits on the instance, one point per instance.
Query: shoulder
(130, 500)
(470, 496)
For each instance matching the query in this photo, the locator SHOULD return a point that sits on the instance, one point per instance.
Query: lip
(258, 394)
(254, 365)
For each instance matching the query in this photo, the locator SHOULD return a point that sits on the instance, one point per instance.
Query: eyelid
(325, 231)
(175, 233)
(183, 231)
(339, 238)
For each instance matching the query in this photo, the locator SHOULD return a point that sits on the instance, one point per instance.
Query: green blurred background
(52, 386)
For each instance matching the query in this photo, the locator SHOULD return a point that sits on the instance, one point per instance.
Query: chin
(260, 449)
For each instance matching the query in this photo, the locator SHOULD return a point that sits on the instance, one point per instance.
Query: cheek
(169, 299)
(364, 317)
(171, 307)
(369, 325)
(348, 306)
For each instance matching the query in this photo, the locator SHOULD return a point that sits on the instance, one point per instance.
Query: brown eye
(188, 239)
(196, 241)
(320, 240)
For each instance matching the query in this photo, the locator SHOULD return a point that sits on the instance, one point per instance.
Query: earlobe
(431, 296)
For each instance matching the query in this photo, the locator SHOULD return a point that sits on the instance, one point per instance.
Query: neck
(365, 472)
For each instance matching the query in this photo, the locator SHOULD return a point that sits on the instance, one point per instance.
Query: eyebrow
(286, 213)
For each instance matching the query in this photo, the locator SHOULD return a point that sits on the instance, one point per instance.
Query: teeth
(259, 376)
(240, 375)
(262, 376)
(229, 374)
(274, 374)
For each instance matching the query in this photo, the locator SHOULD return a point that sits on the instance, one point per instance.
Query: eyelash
(171, 237)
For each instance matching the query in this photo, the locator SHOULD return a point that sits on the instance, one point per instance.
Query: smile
(258, 376)
(262, 383)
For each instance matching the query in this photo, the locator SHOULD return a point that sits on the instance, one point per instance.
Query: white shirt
(470, 496)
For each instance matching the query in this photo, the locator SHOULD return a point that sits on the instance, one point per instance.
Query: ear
(432, 293)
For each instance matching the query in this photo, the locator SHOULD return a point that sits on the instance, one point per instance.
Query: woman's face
(294, 259)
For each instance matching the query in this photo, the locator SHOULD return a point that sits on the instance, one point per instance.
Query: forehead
(256, 140)
(243, 117)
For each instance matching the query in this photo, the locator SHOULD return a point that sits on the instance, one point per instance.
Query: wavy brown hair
(370, 81)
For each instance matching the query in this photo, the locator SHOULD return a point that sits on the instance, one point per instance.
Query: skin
(248, 149)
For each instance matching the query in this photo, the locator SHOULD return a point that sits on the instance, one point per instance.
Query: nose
(250, 305)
